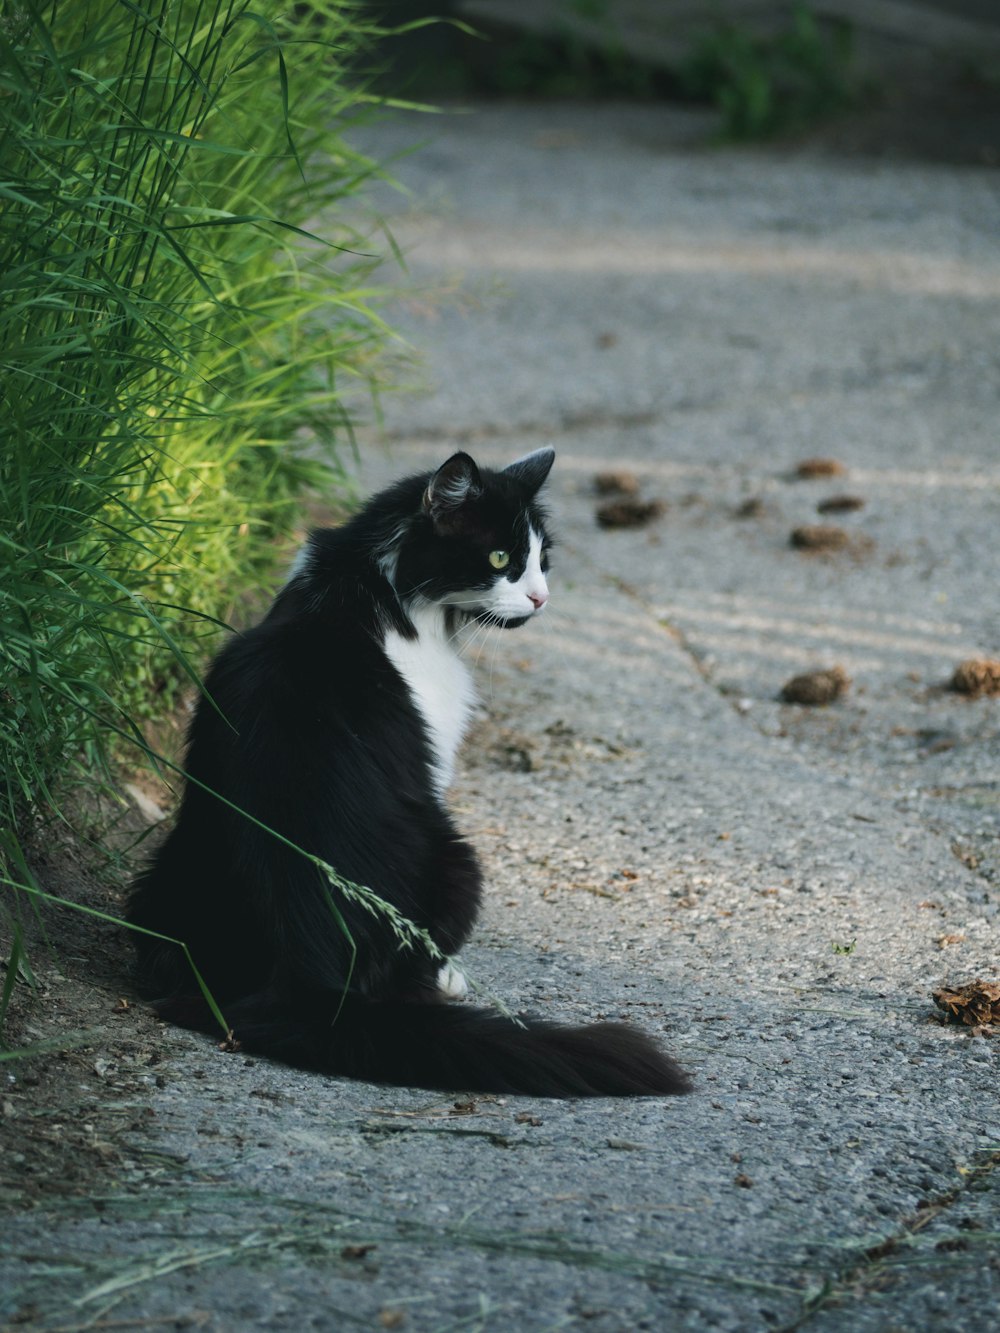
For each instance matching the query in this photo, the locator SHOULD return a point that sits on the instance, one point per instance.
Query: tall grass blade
(188, 300)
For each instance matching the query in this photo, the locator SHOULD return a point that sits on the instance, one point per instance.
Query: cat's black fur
(308, 727)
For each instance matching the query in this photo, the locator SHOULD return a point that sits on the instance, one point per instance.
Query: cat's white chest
(441, 686)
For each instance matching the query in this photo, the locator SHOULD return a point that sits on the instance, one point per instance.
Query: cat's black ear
(532, 469)
(452, 484)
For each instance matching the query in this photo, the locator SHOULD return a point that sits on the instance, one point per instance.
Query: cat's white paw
(451, 982)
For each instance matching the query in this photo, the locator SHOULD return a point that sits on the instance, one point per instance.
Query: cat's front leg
(457, 890)
(451, 981)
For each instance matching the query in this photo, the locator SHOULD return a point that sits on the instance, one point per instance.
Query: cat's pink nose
(538, 599)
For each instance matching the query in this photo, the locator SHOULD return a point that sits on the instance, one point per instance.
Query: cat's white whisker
(464, 638)
(493, 662)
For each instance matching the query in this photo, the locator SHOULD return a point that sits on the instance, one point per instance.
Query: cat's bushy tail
(446, 1048)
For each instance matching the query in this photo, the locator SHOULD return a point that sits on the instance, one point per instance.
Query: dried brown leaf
(976, 1004)
(816, 687)
(976, 677)
(810, 468)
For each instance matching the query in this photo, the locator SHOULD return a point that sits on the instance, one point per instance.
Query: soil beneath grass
(65, 1112)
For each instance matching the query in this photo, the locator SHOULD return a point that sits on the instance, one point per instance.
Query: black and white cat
(335, 723)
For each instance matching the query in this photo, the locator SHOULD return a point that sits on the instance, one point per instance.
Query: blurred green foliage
(765, 86)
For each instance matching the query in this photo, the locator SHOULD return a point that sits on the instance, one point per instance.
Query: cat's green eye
(499, 559)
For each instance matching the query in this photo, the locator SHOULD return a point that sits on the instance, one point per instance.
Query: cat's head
(479, 542)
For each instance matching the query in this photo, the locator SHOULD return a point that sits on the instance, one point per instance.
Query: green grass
(186, 315)
(768, 86)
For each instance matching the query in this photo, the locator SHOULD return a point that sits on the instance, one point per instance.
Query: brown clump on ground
(628, 513)
(840, 504)
(819, 537)
(810, 468)
(976, 1004)
(816, 687)
(977, 676)
(616, 482)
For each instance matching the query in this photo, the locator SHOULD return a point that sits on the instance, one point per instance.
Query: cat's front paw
(451, 982)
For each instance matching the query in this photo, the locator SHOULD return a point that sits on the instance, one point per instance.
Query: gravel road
(774, 889)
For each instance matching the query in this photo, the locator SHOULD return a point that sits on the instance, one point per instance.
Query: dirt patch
(497, 744)
(69, 1119)
(629, 512)
(73, 1109)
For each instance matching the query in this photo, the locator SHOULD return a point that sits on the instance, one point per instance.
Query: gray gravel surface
(775, 890)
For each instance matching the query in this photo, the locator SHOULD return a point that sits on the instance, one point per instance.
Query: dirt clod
(816, 687)
(616, 482)
(811, 468)
(357, 1251)
(628, 513)
(840, 504)
(977, 676)
(976, 1004)
(754, 507)
(819, 537)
